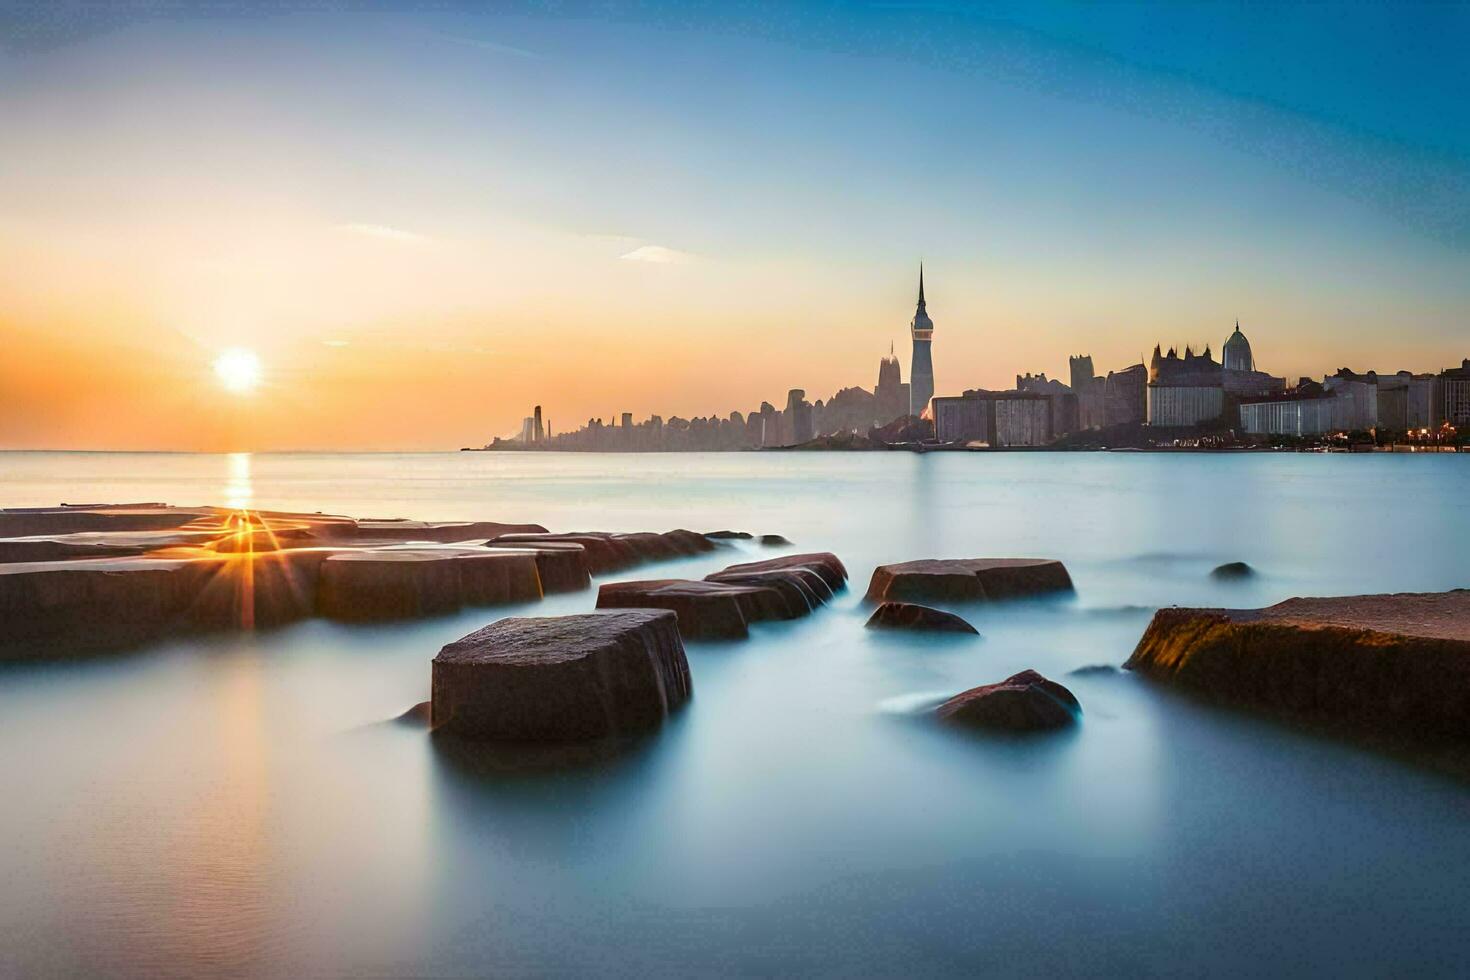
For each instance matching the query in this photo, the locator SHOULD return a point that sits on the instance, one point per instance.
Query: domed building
(1237, 354)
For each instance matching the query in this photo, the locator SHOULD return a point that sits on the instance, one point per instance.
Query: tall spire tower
(921, 368)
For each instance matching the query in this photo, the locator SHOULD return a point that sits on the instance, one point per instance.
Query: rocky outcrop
(562, 564)
(361, 585)
(1024, 702)
(911, 616)
(727, 602)
(607, 552)
(1395, 665)
(968, 579)
(1232, 570)
(803, 582)
(728, 535)
(773, 540)
(706, 610)
(563, 678)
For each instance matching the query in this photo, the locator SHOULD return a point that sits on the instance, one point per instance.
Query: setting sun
(238, 369)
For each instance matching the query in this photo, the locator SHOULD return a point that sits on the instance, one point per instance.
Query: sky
(425, 218)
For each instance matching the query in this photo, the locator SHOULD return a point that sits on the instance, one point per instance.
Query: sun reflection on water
(239, 490)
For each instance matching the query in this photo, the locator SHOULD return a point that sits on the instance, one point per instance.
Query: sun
(238, 370)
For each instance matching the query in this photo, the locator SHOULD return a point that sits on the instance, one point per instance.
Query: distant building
(1125, 395)
(1061, 399)
(1236, 355)
(798, 428)
(1186, 390)
(1307, 410)
(892, 394)
(537, 433)
(997, 418)
(1453, 398)
(1193, 389)
(1080, 369)
(528, 429)
(921, 368)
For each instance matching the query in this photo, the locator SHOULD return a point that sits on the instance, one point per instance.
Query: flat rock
(1395, 665)
(968, 579)
(912, 616)
(59, 607)
(562, 565)
(562, 678)
(1024, 702)
(706, 610)
(363, 585)
(607, 552)
(1232, 570)
(823, 564)
(728, 535)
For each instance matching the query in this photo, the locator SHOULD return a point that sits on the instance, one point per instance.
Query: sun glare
(238, 369)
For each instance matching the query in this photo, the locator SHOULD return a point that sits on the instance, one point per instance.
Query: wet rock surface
(1024, 702)
(562, 678)
(1395, 664)
(968, 579)
(912, 616)
(91, 577)
(607, 552)
(706, 610)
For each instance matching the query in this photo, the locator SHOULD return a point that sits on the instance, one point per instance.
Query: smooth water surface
(244, 805)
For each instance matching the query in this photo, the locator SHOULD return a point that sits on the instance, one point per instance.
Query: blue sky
(1079, 178)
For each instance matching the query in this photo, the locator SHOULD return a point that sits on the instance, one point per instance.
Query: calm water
(243, 806)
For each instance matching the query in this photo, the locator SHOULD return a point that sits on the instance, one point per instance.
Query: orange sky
(422, 237)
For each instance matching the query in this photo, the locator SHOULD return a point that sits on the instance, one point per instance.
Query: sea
(246, 805)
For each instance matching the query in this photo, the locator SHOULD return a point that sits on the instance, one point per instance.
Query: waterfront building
(528, 429)
(1186, 390)
(996, 418)
(1307, 410)
(1061, 399)
(921, 368)
(1453, 397)
(1356, 401)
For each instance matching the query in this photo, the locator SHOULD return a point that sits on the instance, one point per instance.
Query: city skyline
(419, 223)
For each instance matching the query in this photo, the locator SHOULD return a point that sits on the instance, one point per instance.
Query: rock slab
(968, 579)
(562, 678)
(706, 610)
(912, 616)
(1024, 702)
(1395, 665)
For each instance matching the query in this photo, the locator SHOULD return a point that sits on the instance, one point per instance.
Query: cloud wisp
(385, 233)
(658, 255)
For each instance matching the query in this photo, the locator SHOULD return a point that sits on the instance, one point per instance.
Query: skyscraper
(921, 368)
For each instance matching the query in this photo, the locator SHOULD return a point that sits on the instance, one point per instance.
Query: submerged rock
(773, 540)
(1094, 670)
(968, 579)
(1232, 570)
(1024, 702)
(562, 678)
(1388, 664)
(911, 616)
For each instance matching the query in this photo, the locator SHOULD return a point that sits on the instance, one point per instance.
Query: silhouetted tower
(538, 434)
(921, 368)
